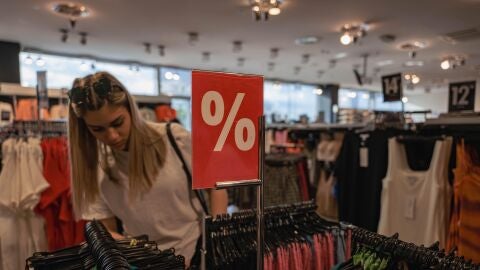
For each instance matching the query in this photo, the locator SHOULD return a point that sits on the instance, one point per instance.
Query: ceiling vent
(461, 36)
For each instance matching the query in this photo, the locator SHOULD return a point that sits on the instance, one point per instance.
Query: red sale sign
(225, 132)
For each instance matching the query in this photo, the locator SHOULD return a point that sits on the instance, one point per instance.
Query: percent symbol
(217, 117)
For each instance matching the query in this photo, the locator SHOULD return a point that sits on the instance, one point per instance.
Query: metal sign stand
(260, 199)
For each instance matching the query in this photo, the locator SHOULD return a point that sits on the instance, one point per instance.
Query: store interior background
(116, 33)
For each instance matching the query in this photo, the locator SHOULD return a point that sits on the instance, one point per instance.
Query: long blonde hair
(88, 155)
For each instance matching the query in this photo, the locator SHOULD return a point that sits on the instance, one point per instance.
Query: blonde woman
(125, 167)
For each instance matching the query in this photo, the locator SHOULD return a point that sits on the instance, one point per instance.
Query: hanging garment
(416, 203)
(325, 199)
(464, 230)
(6, 114)
(27, 110)
(21, 230)
(55, 202)
(359, 188)
(58, 112)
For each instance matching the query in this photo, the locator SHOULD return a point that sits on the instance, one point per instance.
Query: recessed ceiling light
(71, 10)
(384, 63)
(414, 64)
(413, 45)
(341, 55)
(307, 40)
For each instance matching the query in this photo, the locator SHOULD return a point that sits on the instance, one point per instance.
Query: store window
(62, 71)
(354, 99)
(176, 81)
(288, 101)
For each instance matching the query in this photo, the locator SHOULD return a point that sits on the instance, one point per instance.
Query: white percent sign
(217, 117)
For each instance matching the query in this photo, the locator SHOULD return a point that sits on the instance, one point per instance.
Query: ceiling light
(346, 39)
(305, 58)
(318, 91)
(274, 52)
(413, 64)
(192, 38)
(413, 46)
(445, 64)
(83, 38)
(320, 73)
(415, 79)
(262, 9)
(352, 32)
(237, 46)
(206, 56)
(271, 66)
(83, 66)
(352, 95)
(365, 96)
(407, 77)
(240, 61)
(161, 50)
(28, 60)
(335, 108)
(384, 63)
(274, 11)
(296, 70)
(168, 75)
(40, 62)
(404, 99)
(277, 86)
(64, 36)
(148, 47)
(176, 77)
(71, 10)
(341, 55)
(308, 40)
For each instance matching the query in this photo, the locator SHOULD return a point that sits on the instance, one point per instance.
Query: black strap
(173, 142)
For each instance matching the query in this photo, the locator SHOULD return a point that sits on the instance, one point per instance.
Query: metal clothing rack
(424, 257)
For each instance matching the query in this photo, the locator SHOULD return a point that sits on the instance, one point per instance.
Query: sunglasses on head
(80, 95)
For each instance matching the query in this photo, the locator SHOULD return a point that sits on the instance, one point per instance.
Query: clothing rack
(101, 251)
(424, 257)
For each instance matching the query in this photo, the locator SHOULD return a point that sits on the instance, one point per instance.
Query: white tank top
(416, 203)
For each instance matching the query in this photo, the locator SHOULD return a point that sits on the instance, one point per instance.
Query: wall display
(225, 113)
(461, 96)
(392, 87)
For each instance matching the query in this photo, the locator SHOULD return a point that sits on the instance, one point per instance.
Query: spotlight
(404, 99)
(64, 37)
(318, 91)
(305, 58)
(148, 47)
(262, 9)
(83, 38)
(415, 79)
(83, 66)
(274, 53)
(161, 50)
(296, 70)
(176, 77)
(274, 11)
(240, 61)
(346, 39)
(237, 46)
(271, 66)
(320, 73)
(192, 38)
(206, 56)
(40, 62)
(168, 75)
(28, 60)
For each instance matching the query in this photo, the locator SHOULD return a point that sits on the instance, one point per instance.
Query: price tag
(410, 204)
(225, 113)
(363, 157)
(392, 87)
(461, 96)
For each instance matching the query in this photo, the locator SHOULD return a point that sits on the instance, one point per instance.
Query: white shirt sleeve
(98, 209)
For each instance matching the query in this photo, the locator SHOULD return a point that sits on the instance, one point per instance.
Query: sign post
(392, 87)
(228, 137)
(461, 96)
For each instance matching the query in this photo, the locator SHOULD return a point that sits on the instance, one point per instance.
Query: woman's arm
(111, 225)
(218, 201)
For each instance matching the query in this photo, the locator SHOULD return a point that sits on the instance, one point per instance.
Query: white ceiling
(118, 28)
